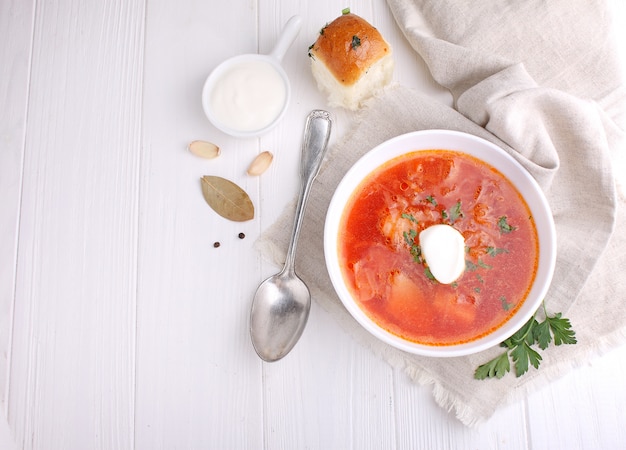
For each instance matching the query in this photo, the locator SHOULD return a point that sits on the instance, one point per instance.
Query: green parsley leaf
(455, 212)
(493, 251)
(497, 367)
(409, 237)
(345, 11)
(409, 217)
(522, 335)
(556, 326)
(416, 253)
(414, 249)
(504, 225)
(356, 42)
(562, 330)
(480, 264)
(522, 355)
(431, 200)
(505, 305)
(542, 334)
(519, 347)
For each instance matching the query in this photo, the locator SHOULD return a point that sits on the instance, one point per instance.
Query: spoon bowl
(280, 311)
(281, 304)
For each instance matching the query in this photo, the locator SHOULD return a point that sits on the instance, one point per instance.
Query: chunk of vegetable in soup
(381, 257)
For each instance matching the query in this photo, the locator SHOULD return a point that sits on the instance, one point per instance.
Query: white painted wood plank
(198, 378)
(421, 423)
(72, 369)
(328, 393)
(17, 29)
(583, 410)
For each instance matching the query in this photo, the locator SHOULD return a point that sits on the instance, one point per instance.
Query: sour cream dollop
(249, 96)
(443, 248)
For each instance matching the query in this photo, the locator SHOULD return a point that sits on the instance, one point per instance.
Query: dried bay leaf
(227, 199)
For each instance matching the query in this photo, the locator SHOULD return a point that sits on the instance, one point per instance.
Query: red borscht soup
(381, 258)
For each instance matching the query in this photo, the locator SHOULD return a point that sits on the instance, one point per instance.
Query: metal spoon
(281, 305)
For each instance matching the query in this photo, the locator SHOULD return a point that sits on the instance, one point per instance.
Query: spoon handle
(316, 135)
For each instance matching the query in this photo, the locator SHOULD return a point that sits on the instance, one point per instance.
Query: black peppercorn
(241, 235)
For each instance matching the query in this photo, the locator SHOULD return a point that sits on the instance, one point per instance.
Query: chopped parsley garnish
(450, 216)
(345, 11)
(519, 347)
(455, 212)
(356, 42)
(416, 253)
(415, 250)
(472, 266)
(505, 304)
(431, 200)
(409, 239)
(504, 225)
(493, 251)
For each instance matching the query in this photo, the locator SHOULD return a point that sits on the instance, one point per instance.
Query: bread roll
(350, 61)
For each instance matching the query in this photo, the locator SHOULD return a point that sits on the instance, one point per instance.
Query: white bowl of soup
(409, 212)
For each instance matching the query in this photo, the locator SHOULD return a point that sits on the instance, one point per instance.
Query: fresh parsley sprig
(519, 347)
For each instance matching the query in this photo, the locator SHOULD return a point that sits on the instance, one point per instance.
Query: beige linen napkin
(542, 82)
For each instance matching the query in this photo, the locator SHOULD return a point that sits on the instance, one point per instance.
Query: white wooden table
(121, 326)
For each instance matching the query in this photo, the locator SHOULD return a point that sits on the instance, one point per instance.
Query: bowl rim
(485, 151)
